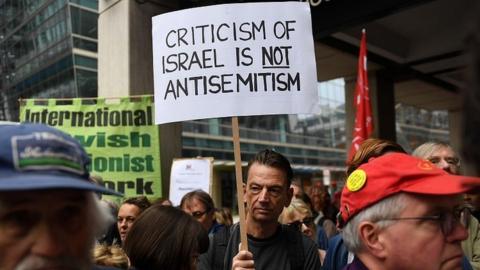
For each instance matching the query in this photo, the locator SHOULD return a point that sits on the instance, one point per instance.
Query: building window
(83, 44)
(84, 22)
(416, 125)
(86, 83)
(93, 4)
(85, 62)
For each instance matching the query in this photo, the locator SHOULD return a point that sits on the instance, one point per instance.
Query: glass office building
(415, 126)
(315, 141)
(48, 48)
(315, 144)
(312, 142)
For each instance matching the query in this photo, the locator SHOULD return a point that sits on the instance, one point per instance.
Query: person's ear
(372, 239)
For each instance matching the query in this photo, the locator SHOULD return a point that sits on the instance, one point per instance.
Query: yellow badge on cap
(356, 180)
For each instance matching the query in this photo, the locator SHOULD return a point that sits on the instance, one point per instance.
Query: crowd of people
(396, 211)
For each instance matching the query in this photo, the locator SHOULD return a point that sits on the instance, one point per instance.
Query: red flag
(363, 118)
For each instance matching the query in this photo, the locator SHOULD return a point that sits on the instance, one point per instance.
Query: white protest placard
(234, 60)
(189, 174)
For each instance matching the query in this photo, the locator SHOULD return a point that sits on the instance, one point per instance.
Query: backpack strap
(295, 247)
(220, 242)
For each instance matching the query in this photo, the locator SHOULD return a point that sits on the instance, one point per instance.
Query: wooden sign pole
(239, 180)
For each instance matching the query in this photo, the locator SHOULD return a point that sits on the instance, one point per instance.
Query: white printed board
(234, 60)
(189, 174)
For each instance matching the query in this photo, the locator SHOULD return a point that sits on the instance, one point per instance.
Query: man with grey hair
(49, 213)
(400, 212)
(441, 154)
(444, 157)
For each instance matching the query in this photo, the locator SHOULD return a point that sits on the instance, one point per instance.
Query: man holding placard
(271, 245)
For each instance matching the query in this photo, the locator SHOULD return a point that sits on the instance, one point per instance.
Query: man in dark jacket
(270, 245)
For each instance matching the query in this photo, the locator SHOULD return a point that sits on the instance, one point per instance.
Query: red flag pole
(363, 127)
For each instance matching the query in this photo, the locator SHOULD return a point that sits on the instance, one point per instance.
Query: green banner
(119, 135)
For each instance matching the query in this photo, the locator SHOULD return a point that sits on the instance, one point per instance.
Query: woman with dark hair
(165, 237)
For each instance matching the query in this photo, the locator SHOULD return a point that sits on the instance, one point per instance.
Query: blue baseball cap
(39, 157)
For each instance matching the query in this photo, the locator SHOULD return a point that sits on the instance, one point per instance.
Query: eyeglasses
(198, 214)
(298, 224)
(446, 220)
(453, 161)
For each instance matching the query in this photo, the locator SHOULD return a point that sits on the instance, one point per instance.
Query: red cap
(393, 173)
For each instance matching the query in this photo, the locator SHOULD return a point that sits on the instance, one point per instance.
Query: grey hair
(379, 213)
(426, 150)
